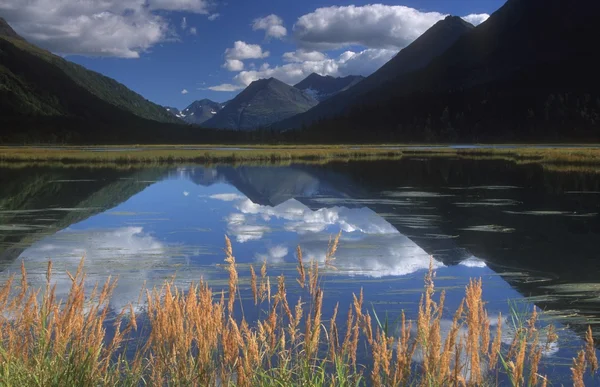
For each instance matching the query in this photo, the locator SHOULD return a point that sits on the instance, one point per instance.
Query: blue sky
(176, 51)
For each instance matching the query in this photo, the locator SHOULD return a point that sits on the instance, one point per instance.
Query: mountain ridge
(45, 96)
(322, 87)
(525, 74)
(419, 53)
(263, 102)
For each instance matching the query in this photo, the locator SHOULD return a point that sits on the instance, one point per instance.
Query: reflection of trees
(61, 199)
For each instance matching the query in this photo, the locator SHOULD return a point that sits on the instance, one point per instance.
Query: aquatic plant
(199, 338)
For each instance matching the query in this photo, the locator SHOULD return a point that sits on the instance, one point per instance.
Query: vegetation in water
(195, 337)
(563, 158)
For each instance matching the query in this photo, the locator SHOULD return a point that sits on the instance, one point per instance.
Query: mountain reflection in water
(536, 228)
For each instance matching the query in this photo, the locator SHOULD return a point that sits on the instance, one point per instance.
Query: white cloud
(303, 56)
(108, 252)
(184, 91)
(233, 65)
(473, 262)
(184, 23)
(193, 31)
(348, 63)
(214, 16)
(370, 245)
(121, 28)
(195, 6)
(475, 18)
(225, 87)
(275, 254)
(272, 25)
(373, 26)
(242, 50)
(227, 197)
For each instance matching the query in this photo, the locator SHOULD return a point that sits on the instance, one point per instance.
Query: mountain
(7, 31)
(526, 74)
(418, 54)
(262, 103)
(323, 87)
(174, 111)
(43, 92)
(200, 111)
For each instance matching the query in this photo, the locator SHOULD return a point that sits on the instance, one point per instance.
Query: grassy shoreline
(270, 154)
(196, 337)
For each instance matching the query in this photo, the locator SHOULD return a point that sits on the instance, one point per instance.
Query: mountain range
(526, 74)
(418, 54)
(262, 103)
(198, 111)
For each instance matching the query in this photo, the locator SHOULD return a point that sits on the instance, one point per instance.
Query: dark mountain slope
(262, 103)
(418, 54)
(44, 97)
(525, 74)
(323, 87)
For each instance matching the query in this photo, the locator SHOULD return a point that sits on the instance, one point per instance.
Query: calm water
(531, 234)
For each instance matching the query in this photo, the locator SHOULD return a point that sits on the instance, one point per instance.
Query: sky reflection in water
(175, 227)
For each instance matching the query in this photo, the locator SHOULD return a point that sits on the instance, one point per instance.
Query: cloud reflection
(370, 245)
(129, 254)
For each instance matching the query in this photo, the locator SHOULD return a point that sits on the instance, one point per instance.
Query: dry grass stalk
(331, 249)
(578, 369)
(590, 350)
(264, 286)
(474, 323)
(195, 339)
(253, 285)
(301, 273)
(233, 274)
(496, 344)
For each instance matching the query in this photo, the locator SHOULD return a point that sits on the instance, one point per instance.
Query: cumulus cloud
(214, 16)
(373, 26)
(228, 87)
(242, 50)
(193, 31)
(184, 91)
(272, 25)
(475, 18)
(184, 23)
(234, 65)
(303, 56)
(121, 28)
(348, 63)
(195, 6)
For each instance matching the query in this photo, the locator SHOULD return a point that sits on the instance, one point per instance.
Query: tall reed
(195, 337)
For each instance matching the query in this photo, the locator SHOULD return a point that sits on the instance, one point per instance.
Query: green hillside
(40, 88)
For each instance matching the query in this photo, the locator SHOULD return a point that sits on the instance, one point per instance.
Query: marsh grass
(179, 155)
(195, 337)
(559, 158)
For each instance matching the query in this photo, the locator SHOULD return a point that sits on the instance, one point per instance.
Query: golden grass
(558, 158)
(195, 337)
(21, 156)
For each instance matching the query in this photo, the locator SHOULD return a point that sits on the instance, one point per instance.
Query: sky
(174, 52)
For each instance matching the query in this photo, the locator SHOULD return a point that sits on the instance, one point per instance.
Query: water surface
(530, 233)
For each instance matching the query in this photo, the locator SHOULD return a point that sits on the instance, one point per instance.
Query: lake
(531, 233)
